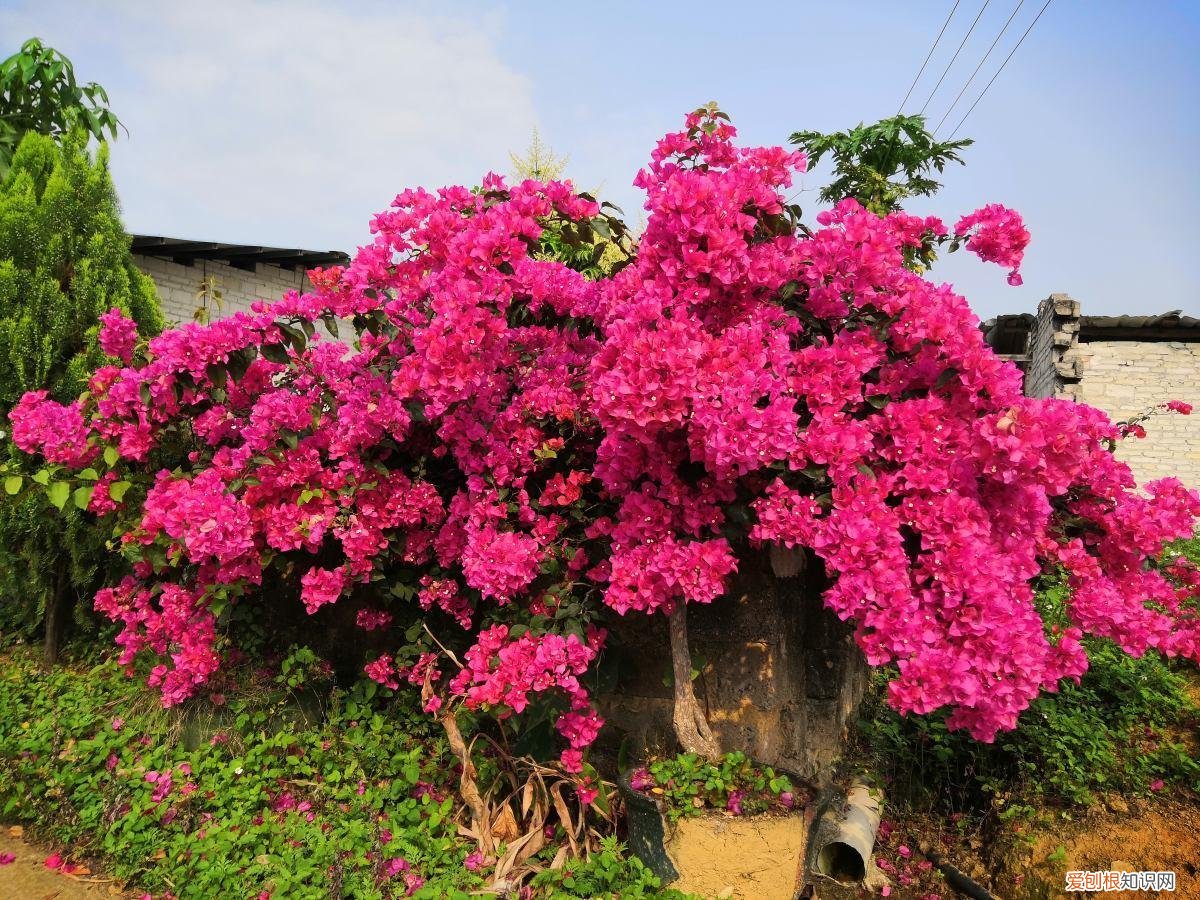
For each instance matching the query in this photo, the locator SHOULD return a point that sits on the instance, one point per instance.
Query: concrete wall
(1124, 378)
(178, 284)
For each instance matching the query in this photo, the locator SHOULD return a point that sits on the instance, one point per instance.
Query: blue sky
(273, 122)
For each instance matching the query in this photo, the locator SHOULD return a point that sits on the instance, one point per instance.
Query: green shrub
(1120, 729)
(64, 261)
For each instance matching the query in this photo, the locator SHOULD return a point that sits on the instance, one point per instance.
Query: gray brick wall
(178, 284)
(1124, 378)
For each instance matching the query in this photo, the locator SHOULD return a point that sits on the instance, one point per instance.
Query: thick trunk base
(58, 611)
(780, 679)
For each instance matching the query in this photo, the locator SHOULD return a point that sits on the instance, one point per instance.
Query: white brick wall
(1123, 378)
(178, 284)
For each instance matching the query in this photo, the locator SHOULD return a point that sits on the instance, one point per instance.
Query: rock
(876, 880)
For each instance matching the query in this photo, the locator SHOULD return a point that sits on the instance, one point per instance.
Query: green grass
(292, 787)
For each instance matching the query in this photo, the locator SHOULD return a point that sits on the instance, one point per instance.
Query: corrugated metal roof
(242, 256)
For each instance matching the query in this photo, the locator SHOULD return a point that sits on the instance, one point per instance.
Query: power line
(928, 56)
(980, 66)
(998, 71)
(956, 52)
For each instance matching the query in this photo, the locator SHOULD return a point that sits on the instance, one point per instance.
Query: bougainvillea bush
(521, 450)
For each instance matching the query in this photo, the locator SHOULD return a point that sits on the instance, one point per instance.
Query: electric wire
(955, 56)
(998, 71)
(928, 56)
(978, 67)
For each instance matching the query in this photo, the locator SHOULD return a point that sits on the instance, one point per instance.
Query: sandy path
(27, 877)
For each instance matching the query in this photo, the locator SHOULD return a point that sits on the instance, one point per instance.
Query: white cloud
(277, 122)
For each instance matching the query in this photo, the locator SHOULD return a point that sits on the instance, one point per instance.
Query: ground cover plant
(289, 787)
(690, 785)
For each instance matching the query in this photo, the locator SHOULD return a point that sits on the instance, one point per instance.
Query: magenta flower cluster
(542, 448)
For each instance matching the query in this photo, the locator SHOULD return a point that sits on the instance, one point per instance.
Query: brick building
(240, 273)
(1123, 365)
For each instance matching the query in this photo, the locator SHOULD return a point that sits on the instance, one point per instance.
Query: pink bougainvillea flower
(587, 791)
(734, 803)
(1157, 784)
(641, 780)
(517, 448)
(118, 335)
(7, 858)
(54, 861)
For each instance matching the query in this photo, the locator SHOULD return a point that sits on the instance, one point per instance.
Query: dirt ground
(756, 858)
(1142, 836)
(27, 878)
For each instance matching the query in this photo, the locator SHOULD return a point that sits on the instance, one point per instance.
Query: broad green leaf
(58, 493)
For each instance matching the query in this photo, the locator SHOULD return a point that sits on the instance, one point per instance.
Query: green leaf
(117, 490)
(83, 496)
(42, 476)
(275, 353)
(111, 456)
(12, 484)
(58, 493)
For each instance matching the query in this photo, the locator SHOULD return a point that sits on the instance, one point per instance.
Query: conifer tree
(64, 261)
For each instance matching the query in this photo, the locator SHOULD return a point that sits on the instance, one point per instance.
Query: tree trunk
(56, 614)
(781, 675)
(691, 726)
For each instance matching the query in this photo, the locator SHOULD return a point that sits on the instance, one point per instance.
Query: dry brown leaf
(559, 858)
(535, 844)
(160, 854)
(16, 831)
(564, 815)
(504, 828)
(527, 797)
